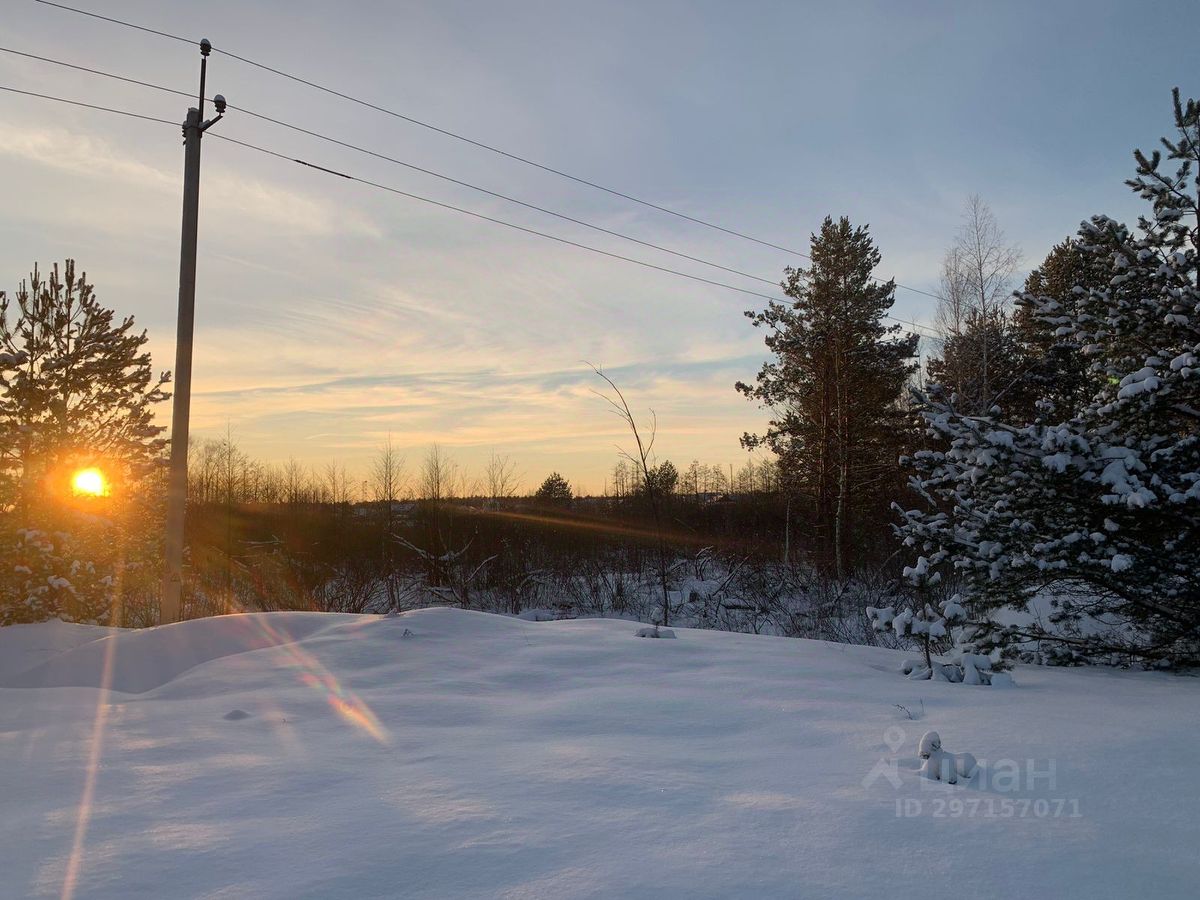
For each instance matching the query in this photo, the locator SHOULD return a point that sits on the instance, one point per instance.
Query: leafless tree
(388, 482)
(641, 460)
(976, 281)
(955, 298)
(501, 477)
(337, 484)
(388, 479)
(623, 479)
(295, 483)
(440, 475)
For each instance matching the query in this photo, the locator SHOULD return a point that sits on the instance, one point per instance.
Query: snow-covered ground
(455, 754)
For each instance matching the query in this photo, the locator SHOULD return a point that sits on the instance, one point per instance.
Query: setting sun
(90, 483)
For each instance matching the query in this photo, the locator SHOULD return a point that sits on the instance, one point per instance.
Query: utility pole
(193, 129)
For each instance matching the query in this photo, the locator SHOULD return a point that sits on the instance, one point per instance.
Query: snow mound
(655, 632)
(24, 646)
(493, 757)
(134, 662)
(538, 615)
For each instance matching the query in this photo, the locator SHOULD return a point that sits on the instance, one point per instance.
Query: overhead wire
(414, 121)
(107, 109)
(393, 190)
(463, 138)
(447, 206)
(487, 218)
(410, 195)
(399, 162)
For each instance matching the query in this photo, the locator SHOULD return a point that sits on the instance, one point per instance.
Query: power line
(400, 162)
(508, 199)
(84, 12)
(430, 172)
(432, 202)
(107, 109)
(90, 71)
(507, 224)
(487, 218)
(475, 143)
(401, 193)
(443, 131)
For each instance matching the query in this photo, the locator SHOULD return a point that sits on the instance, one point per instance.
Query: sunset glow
(89, 483)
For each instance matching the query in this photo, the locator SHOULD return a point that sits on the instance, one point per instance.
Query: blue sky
(330, 315)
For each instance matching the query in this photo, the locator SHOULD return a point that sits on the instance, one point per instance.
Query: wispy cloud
(246, 199)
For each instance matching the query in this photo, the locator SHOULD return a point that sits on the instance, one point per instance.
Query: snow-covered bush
(53, 575)
(31, 579)
(1099, 506)
(934, 630)
(941, 765)
(796, 600)
(922, 625)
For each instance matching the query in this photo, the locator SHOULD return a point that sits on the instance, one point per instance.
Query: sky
(331, 315)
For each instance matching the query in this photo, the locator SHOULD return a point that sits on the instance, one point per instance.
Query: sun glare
(89, 483)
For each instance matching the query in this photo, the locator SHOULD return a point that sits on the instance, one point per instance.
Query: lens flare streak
(341, 699)
(95, 752)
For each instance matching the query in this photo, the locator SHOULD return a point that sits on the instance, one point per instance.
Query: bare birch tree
(388, 480)
(976, 282)
(440, 475)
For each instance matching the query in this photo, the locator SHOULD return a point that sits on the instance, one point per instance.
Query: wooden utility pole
(193, 129)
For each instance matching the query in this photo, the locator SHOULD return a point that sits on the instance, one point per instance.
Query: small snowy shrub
(97, 572)
(941, 765)
(935, 631)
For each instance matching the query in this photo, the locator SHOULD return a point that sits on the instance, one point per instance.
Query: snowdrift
(134, 662)
(456, 754)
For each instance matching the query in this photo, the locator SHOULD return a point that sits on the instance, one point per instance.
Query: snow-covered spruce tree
(55, 574)
(32, 576)
(1096, 508)
(832, 387)
(76, 390)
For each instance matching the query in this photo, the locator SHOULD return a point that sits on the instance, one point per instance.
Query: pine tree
(1100, 510)
(661, 481)
(76, 390)
(960, 365)
(1054, 370)
(832, 384)
(555, 490)
(77, 387)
